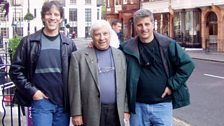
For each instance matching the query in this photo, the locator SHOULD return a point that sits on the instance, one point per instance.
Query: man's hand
(167, 91)
(90, 44)
(39, 95)
(126, 117)
(77, 120)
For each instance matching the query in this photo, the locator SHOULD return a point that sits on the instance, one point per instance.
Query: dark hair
(114, 22)
(48, 5)
(142, 13)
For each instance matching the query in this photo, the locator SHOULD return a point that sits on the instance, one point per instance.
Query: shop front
(187, 27)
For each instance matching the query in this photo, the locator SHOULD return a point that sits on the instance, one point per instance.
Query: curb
(213, 60)
(179, 122)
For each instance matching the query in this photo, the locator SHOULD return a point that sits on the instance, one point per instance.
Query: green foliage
(104, 10)
(13, 43)
(29, 16)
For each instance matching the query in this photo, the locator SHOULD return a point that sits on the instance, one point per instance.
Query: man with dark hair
(157, 70)
(40, 70)
(117, 27)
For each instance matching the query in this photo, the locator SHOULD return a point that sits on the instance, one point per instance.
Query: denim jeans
(159, 114)
(45, 113)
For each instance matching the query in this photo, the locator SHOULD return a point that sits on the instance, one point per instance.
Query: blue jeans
(45, 113)
(159, 114)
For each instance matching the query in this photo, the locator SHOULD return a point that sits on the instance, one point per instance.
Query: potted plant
(13, 43)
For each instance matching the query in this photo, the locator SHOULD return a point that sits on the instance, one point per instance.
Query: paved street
(206, 90)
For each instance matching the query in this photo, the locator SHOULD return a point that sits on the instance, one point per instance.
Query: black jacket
(24, 64)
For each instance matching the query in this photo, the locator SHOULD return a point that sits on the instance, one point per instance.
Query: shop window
(187, 28)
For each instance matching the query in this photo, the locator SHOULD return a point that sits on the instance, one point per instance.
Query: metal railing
(7, 106)
(10, 113)
(211, 44)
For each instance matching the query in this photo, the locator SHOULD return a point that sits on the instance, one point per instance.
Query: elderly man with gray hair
(97, 82)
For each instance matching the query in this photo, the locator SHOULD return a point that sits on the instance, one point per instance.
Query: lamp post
(28, 17)
(15, 27)
(28, 29)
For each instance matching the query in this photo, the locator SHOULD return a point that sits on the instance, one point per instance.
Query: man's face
(52, 20)
(144, 28)
(101, 38)
(117, 27)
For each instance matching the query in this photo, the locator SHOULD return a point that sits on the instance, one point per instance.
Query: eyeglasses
(105, 69)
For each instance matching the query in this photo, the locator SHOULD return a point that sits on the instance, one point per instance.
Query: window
(88, 15)
(125, 1)
(73, 14)
(98, 14)
(18, 15)
(108, 3)
(62, 2)
(87, 1)
(212, 23)
(17, 2)
(5, 32)
(72, 1)
(88, 21)
(117, 2)
(35, 12)
(3, 18)
(187, 28)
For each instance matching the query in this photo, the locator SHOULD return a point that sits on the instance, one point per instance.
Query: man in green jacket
(157, 70)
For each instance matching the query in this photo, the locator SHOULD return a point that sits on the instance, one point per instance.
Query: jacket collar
(36, 37)
(131, 47)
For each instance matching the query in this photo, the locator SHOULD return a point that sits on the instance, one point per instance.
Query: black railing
(211, 44)
(10, 113)
(6, 101)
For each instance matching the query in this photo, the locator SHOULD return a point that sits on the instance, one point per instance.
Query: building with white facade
(79, 15)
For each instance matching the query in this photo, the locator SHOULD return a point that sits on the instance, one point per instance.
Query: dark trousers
(109, 115)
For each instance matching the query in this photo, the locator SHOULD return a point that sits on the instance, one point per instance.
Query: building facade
(192, 23)
(123, 10)
(79, 15)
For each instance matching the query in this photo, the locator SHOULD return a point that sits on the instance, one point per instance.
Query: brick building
(192, 23)
(122, 10)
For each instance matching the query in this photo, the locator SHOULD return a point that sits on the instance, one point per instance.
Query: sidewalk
(203, 55)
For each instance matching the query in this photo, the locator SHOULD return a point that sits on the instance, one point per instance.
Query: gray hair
(100, 24)
(142, 13)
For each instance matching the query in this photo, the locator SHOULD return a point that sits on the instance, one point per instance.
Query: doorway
(212, 25)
